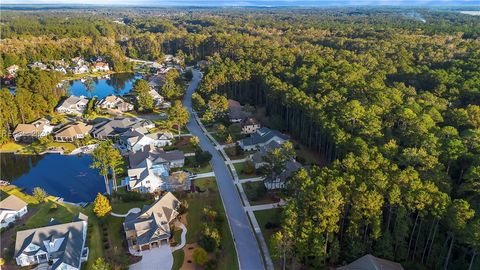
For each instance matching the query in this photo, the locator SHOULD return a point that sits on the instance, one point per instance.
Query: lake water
(117, 84)
(68, 177)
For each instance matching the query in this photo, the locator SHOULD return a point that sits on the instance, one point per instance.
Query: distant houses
(262, 137)
(56, 246)
(11, 209)
(12, 70)
(30, 132)
(114, 102)
(72, 132)
(73, 105)
(151, 227)
(100, 67)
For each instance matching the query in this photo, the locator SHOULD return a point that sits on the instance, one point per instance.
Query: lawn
(210, 198)
(178, 257)
(37, 147)
(269, 222)
(10, 147)
(183, 144)
(190, 165)
(258, 194)
(239, 167)
(13, 190)
(234, 153)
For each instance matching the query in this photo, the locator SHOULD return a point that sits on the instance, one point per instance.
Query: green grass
(10, 147)
(273, 216)
(233, 154)
(255, 197)
(190, 166)
(13, 190)
(36, 147)
(239, 168)
(178, 257)
(210, 199)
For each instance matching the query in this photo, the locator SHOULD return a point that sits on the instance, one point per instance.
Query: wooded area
(393, 103)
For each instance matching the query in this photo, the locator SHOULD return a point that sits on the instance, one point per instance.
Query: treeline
(35, 96)
(396, 112)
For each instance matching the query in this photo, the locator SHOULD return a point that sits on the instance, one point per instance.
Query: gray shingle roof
(263, 135)
(114, 127)
(157, 156)
(69, 252)
(370, 262)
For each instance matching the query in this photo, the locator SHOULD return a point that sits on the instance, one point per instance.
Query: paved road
(248, 252)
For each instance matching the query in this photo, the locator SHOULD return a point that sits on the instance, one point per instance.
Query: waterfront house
(78, 61)
(156, 81)
(72, 132)
(35, 130)
(60, 69)
(136, 139)
(117, 126)
(151, 227)
(80, 69)
(173, 159)
(250, 125)
(157, 98)
(38, 65)
(369, 261)
(149, 171)
(262, 137)
(114, 102)
(100, 67)
(56, 246)
(73, 105)
(11, 209)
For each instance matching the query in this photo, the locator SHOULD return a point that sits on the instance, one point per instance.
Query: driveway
(248, 251)
(155, 259)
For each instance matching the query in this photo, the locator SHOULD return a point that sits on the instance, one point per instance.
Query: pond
(117, 84)
(68, 177)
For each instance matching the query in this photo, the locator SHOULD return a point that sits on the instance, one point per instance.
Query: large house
(136, 139)
(250, 125)
(73, 105)
(149, 171)
(173, 159)
(72, 132)
(114, 102)
(157, 98)
(11, 208)
(100, 67)
(370, 262)
(29, 132)
(262, 137)
(236, 114)
(57, 246)
(117, 126)
(291, 166)
(151, 227)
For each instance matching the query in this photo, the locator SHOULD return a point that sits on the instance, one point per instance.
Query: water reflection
(116, 84)
(69, 177)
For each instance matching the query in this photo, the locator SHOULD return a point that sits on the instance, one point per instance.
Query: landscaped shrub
(211, 265)
(200, 256)
(210, 239)
(249, 167)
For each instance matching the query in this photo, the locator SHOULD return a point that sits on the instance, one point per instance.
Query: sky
(251, 2)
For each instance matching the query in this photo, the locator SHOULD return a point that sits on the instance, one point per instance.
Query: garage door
(146, 247)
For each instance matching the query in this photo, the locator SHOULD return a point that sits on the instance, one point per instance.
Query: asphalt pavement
(248, 251)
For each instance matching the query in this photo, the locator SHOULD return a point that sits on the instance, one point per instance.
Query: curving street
(248, 252)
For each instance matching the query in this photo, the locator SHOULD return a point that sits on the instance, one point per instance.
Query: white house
(73, 105)
(157, 98)
(11, 208)
(100, 67)
(56, 246)
(136, 139)
(12, 70)
(250, 125)
(60, 69)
